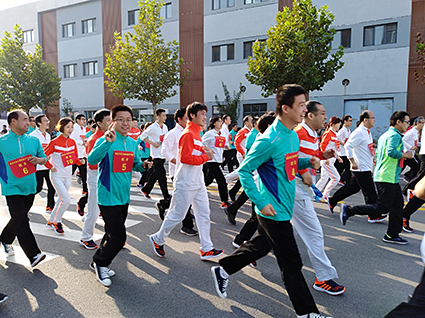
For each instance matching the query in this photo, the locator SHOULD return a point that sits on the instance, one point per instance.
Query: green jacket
(13, 146)
(113, 188)
(267, 156)
(388, 155)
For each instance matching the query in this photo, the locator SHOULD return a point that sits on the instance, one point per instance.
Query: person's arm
(186, 146)
(99, 151)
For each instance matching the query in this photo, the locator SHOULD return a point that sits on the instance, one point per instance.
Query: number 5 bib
(123, 161)
(21, 167)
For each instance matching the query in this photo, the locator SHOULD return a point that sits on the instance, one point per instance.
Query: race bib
(68, 158)
(123, 161)
(161, 138)
(220, 142)
(291, 165)
(21, 167)
(371, 149)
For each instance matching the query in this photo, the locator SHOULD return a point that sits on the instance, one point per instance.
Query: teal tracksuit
(113, 188)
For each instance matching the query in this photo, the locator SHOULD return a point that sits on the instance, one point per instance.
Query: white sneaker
(8, 249)
(102, 275)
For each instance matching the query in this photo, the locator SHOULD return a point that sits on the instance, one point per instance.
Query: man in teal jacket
(275, 156)
(117, 155)
(389, 160)
(19, 154)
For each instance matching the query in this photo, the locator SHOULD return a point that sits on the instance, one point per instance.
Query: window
(220, 4)
(68, 30)
(380, 34)
(253, 1)
(133, 16)
(166, 11)
(247, 48)
(28, 36)
(223, 52)
(90, 68)
(346, 37)
(89, 26)
(254, 109)
(70, 70)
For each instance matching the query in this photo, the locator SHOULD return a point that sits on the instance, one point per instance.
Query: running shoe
(37, 259)
(211, 254)
(58, 228)
(219, 282)
(225, 205)
(394, 240)
(158, 249)
(90, 245)
(381, 218)
(188, 231)
(8, 249)
(329, 287)
(102, 275)
(406, 227)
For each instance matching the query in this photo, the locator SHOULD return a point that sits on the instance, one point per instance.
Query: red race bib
(291, 165)
(68, 158)
(21, 167)
(123, 161)
(372, 150)
(219, 142)
(161, 138)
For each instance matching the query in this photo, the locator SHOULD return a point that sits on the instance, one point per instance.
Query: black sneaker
(161, 210)
(188, 232)
(230, 216)
(394, 240)
(37, 259)
(102, 275)
(110, 272)
(3, 298)
(158, 249)
(219, 282)
(406, 227)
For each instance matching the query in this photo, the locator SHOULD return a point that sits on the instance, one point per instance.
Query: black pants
(229, 158)
(279, 236)
(19, 224)
(159, 175)
(414, 165)
(415, 179)
(115, 233)
(415, 308)
(83, 173)
(214, 172)
(45, 174)
(344, 169)
(359, 181)
(248, 229)
(187, 221)
(411, 207)
(389, 199)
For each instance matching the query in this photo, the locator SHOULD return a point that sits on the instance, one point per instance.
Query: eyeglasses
(123, 120)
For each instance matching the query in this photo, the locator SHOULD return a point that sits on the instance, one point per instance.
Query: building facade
(216, 39)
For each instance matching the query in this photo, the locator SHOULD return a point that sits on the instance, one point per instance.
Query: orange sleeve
(238, 140)
(186, 147)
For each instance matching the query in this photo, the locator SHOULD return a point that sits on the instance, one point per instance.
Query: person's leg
(307, 225)
(18, 225)
(93, 208)
(115, 236)
(248, 229)
(395, 224)
(214, 169)
(161, 176)
(62, 185)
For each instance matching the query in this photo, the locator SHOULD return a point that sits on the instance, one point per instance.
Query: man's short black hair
(286, 95)
(265, 121)
(179, 114)
(79, 116)
(398, 115)
(38, 119)
(346, 118)
(194, 108)
(14, 114)
(159, 111)
(120, 108)
(100, 114)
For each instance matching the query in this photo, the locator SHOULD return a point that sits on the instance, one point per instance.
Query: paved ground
(377, 275)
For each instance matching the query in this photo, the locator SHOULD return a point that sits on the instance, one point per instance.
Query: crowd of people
(273, 159)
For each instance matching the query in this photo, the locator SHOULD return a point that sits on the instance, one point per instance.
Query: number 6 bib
(21, 167)
(123, 161)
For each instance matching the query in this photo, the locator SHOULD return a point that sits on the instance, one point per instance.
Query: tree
(141, 65)
(230, 106)
(26, 80)
(297, 50)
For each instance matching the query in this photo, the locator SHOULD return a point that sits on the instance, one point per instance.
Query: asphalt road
(377, 275)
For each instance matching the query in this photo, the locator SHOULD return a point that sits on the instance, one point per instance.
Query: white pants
(92, 207)
(328, 171)
(180, 202)
(307, 225)
(62, 185)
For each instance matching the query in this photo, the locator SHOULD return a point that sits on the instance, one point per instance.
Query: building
(216, 39)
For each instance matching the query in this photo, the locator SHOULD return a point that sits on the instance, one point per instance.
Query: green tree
(230, 105)
(25, 79)
(297, 50)
(141, 65)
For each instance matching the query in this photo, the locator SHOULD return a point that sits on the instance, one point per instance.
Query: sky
(5, 4)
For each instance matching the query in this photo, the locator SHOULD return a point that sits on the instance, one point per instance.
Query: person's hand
(307, 178)
(268, 210)
(209, 153)
(174, 161)
(315, 163)
(110, 134)
(53, 169)
(329, 153)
